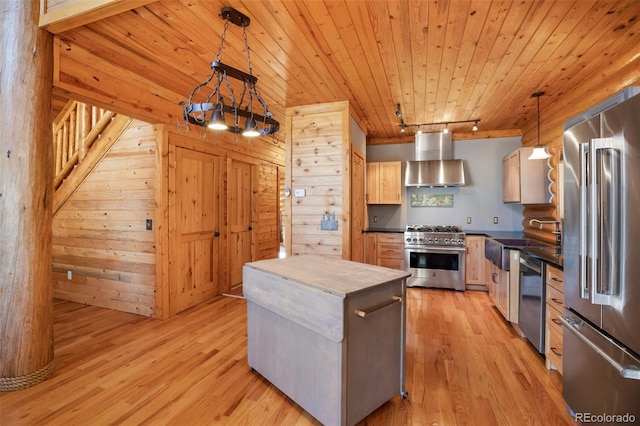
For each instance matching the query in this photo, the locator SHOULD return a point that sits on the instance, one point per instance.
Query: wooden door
(358, 206)
(240, 219)
(194, 197)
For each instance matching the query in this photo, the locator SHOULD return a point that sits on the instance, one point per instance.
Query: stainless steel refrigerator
(601, 333)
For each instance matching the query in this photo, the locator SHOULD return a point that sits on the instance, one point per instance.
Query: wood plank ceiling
(441, 61)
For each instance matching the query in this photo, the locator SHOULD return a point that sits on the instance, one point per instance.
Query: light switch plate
(299, 193)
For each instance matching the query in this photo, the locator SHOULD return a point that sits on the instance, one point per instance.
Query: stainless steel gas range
(435, 256)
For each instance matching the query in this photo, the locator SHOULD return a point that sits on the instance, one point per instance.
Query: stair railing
(75, 130)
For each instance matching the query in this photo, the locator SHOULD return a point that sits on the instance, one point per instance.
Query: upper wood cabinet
(384, 182)
(525, 181)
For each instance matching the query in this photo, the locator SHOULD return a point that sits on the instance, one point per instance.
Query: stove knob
(430, 240)
(415, 240)
(446, 241)
(408, 240)
(420, 240)
(436, 240)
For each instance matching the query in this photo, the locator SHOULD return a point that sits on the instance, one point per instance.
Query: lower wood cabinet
(385, 249)
(555, 303)
(498, 285)
(475, 260)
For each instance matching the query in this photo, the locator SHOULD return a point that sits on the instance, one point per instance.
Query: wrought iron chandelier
(209, 107)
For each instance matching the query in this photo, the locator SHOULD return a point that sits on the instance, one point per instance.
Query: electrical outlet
(375, 219)
(149, 224)
(468, 219)
(495, 220)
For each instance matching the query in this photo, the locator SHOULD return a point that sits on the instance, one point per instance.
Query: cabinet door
(373, 176)
(370, 255)
(502, 297)
(390, 185)
(475, 260)
(511, 178)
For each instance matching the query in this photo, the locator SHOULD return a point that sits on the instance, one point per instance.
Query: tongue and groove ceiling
(440, 60)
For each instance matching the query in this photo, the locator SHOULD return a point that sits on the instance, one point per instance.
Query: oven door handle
(433, 249)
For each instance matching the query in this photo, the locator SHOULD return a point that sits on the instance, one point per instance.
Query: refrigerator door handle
(583, 250)
(627, 371)
(604, 239)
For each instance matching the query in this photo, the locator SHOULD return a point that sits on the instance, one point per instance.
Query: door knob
(216, 234)
(250, 228)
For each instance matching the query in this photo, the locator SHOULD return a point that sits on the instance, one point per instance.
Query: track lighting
(403, 125)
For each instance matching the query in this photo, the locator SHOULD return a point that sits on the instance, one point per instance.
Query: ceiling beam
(75, 13)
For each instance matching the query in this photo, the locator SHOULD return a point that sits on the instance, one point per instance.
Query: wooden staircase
(82, 135)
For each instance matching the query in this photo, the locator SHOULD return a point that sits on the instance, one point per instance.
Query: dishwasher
(531, 316)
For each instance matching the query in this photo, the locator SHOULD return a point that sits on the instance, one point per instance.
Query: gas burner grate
(434, 228)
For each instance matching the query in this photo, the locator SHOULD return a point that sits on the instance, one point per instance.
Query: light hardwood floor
(465, 366)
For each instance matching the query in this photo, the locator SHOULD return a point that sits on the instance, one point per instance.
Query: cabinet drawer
(555, 278)
(390, 251)
(555, 298)
(391, 263)
(552, 318)
(389, 237)
(554, 345)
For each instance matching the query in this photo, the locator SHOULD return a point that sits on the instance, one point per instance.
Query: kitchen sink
(496, 250)
(521, 242)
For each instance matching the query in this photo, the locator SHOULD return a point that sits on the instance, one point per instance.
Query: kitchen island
(329, 333)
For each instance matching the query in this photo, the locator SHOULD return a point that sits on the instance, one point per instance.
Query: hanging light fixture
(208, 107)
(539, 152)
(418, 126)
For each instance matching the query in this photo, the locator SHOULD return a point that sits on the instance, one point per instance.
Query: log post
(26, 197)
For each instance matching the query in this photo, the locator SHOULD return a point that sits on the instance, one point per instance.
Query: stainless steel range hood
(434, 164)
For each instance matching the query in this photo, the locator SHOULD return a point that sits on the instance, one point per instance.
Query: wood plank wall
(100, 234)
(316, 164)
(268, 211)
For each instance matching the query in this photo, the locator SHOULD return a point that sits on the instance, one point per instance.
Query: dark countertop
(547, 254)
(550, 254)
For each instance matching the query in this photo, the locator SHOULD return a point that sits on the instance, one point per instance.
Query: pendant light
(539, 152)
(213, 103)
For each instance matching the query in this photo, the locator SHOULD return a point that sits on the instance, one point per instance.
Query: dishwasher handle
(534, 265)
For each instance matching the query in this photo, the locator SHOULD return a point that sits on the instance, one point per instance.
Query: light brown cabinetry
(385, 249)
(384, 182)
(525, 181)
(498, 284)
(475, 260)
(555, 303)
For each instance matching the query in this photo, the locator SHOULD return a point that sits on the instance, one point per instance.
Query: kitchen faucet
(556, 231)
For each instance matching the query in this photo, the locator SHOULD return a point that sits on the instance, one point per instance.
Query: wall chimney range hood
(434, 164)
